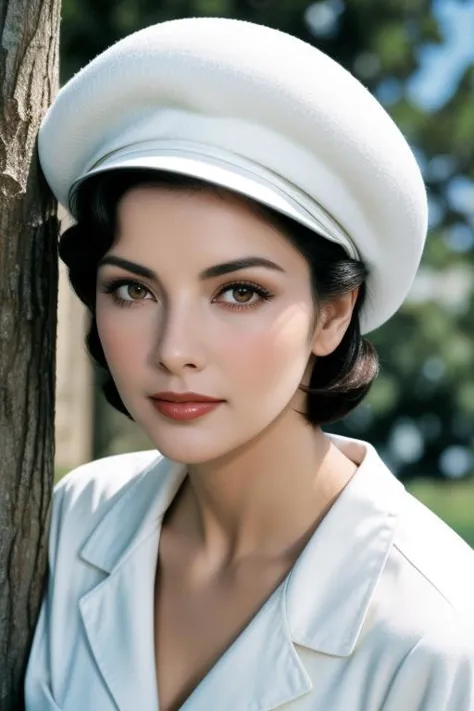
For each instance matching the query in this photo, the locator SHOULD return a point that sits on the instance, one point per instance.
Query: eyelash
(111, 287)
(263, 293)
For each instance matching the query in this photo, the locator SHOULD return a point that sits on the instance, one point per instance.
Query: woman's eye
(132, 292)
(126, 292)
(241, 295)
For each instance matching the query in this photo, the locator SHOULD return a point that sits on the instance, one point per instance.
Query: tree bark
(28, 296)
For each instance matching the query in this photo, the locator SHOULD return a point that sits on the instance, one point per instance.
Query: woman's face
(199, 294)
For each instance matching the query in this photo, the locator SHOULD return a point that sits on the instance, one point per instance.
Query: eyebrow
(209, 273)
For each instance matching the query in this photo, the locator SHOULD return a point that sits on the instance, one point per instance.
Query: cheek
(274, 355)
(123, 337)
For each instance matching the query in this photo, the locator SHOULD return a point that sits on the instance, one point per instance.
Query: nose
(180, 342)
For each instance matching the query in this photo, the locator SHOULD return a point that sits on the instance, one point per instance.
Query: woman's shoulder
(437, 673)
(436, 557)
(106, 475)
(427, 578)
(82, 498)
(426, 556)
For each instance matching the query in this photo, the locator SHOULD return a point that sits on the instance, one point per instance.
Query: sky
(442, 66)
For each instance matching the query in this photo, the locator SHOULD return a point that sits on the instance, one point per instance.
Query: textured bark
(28, 293)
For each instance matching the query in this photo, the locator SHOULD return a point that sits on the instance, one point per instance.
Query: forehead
(155, 221)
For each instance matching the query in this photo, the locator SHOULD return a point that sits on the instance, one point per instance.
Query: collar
(332, 583)
(136, 513)
(330, 587)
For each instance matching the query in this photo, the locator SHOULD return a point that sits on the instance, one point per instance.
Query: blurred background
(417, 57)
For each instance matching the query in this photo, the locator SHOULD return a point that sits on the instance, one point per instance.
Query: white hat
(259, 112)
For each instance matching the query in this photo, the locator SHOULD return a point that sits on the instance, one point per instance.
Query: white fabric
(376, 615)
(220, 167)
(259, 98)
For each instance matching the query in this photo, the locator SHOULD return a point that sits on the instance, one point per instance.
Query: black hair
(338, 382)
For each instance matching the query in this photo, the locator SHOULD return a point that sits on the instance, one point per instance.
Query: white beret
(261, 113)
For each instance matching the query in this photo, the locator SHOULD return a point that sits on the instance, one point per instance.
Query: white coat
(376, 615)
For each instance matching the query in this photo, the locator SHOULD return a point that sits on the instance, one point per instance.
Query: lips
(184, 407)
(183, 397)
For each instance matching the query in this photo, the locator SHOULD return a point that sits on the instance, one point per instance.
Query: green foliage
(427, 351)
(454, 503)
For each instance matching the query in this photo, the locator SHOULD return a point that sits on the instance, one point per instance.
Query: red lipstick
(184, 406)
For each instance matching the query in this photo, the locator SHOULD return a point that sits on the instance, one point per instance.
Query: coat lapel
(320, 606)
(118, 614)
(260, 670)
(118, 618)
(333, 582)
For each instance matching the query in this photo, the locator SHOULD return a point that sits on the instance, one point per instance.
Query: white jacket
(376, 615)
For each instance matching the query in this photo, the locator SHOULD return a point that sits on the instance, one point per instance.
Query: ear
(333, 321)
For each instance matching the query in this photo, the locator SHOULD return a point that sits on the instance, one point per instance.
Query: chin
(189, 455)
(189, 448)
(199, 448)
(198, 443)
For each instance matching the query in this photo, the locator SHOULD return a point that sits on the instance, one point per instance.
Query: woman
(244, 211)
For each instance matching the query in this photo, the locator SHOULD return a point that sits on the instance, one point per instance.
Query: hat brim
(272, 193)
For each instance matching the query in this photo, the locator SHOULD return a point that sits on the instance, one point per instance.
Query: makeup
(184, 407)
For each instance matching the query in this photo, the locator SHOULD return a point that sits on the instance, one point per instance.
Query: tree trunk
(28, 295)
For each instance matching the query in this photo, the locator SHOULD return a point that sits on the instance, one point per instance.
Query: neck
(265, 498)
